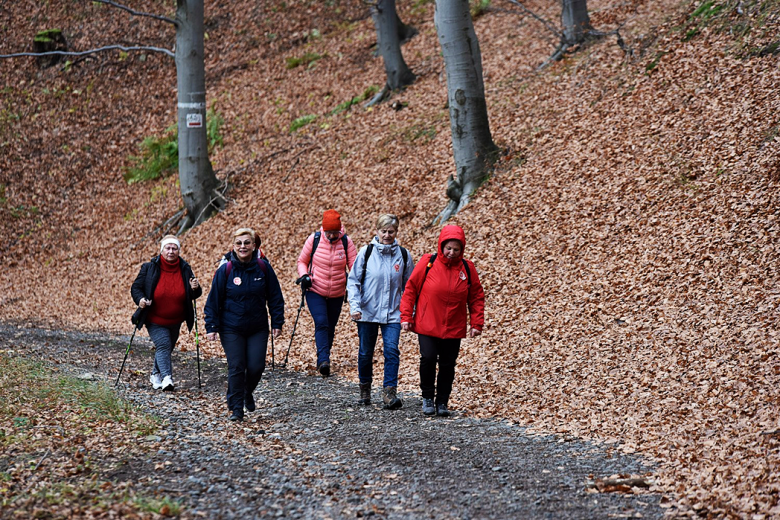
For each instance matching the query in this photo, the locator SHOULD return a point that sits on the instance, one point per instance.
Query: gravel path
(310, 451)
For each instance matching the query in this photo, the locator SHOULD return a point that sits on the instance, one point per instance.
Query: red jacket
(446, 294)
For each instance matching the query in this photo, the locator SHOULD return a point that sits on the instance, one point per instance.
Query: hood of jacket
(384, 248)
(449, 233)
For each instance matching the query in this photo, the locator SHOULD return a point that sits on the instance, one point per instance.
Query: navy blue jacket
(146, 282)
(241, 308)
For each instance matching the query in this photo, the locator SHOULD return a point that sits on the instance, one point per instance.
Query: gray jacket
(379, 300)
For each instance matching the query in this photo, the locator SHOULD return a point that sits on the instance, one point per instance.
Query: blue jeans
(164, 338)
(246, 363)
(326, 312)
(391, 333)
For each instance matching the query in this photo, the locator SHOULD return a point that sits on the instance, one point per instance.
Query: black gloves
(304, 281)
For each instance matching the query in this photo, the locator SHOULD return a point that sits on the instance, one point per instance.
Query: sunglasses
(244, 243)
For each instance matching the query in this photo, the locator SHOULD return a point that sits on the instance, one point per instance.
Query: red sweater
(168, 300)
(447, 302)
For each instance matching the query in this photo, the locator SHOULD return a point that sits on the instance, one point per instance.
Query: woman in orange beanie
(326, 257)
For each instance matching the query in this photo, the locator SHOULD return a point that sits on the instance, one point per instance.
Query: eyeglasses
(244, 243)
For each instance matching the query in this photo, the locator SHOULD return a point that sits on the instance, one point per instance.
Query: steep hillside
(627, 242)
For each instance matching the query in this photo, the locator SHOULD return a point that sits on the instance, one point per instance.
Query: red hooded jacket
(446, 294)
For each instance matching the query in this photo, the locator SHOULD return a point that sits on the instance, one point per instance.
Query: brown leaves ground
(628, 243)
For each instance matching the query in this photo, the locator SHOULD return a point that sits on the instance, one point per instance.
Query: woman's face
(243, 247)
(451, 249)
(170, 252)
(386, 234)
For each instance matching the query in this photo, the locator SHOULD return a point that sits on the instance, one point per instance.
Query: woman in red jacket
(443, 286)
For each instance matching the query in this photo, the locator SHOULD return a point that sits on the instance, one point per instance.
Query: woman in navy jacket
(236, 310)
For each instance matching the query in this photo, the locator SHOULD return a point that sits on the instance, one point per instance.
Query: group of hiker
(440, 298)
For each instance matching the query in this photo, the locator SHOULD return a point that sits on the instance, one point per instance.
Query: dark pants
(246, 363)
(326, 312)
(164, 338)
(445, 353)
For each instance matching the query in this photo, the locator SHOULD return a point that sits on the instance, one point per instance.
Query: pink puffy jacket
(329, 267)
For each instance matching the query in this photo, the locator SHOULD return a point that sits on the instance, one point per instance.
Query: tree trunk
(575, 21)
(196, 175)
(472, 143)
(405, 32)
(388, 38)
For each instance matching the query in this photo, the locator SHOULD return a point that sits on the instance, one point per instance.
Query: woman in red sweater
(164, 290)
(441, 297)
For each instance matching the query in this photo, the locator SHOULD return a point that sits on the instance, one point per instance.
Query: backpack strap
(427, 268)
(405, 255)
(468, 271)
(317, 235)
(369, 249)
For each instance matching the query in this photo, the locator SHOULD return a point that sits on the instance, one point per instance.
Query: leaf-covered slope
(628, 241)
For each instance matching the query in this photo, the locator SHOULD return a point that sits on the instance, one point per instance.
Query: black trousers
(445, 353)
(246, 363)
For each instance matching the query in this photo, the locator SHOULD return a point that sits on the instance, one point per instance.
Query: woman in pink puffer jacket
(324, 278)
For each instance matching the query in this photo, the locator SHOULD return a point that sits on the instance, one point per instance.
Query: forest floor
(310, 451)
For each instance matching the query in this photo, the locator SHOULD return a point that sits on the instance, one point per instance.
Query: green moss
(301, 122)
(48, 36)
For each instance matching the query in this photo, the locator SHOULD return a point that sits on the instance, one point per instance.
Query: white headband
(167, 241)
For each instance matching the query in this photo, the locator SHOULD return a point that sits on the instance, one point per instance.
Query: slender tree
(472, 144)
(196, 174)
(390, 33)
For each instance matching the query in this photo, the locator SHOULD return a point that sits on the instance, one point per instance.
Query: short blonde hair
(387, 219)
(244, 231)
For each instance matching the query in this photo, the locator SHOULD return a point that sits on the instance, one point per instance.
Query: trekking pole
(300, 307)
(197, 340)
(127, 351)
(272, 350)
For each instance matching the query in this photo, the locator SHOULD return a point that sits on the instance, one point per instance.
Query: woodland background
(627, 240)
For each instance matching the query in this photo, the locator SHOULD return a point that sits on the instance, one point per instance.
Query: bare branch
(137, 13)
(91, 51)
(550, 27)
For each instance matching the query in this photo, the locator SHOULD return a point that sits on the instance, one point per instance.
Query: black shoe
(237, 416)
(365, 393)
(249, 402)
(442, 411)
(324, 368)
(428, 408)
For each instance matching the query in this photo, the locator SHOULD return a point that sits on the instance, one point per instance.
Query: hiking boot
(428, 408)
(324, 368)
(249, 402)
(237, 416)
(391, 400)
(365, 393)
(156, 381)
(167, 384)
(442, 411)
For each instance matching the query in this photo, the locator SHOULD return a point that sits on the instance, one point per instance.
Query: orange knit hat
(331, 220)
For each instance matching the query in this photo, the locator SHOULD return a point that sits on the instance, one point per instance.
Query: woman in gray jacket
(375, 284)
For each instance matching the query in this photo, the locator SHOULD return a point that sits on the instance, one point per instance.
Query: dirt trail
(309, 451)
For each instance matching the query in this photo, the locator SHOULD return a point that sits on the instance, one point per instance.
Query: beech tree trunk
(196, 175)
(575, 21)
(389, 35)
(472, 144)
